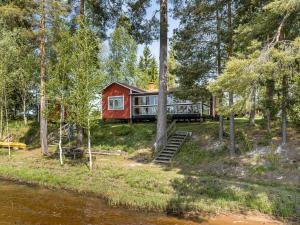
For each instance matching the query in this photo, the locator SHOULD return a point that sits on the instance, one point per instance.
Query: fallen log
(107, 152)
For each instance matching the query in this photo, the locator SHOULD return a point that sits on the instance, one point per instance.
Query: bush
(244, 143)
(273, 160)
(265, 140)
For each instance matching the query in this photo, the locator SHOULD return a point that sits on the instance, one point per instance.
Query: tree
(229, 52)
(86, 79)
(199, 43)
(171, 69)
(147, 69)
(43, 106)
(122, 58)
(8, 52)
(59, 84)
(270, 65)
(161, 137)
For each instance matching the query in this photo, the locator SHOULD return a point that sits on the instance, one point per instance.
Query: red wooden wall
(116, 90)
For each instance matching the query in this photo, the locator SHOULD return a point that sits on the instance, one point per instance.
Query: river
(26, 205)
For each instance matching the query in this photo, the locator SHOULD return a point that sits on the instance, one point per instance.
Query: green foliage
(266, 139)
(147, 69)
(86, 79)
(122, 58)
(273, 160)
(171, 69)
(244, 144)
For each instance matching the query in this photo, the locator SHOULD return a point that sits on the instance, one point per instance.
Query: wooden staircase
(172, 147)
(175, 139)
(53, 137)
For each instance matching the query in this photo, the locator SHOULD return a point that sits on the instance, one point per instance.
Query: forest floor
(201, 180)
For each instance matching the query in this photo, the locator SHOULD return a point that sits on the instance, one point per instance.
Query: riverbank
(37, 205)
(201, 181)
(147, 187)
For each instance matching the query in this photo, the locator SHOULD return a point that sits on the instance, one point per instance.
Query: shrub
(265, 140)
(244, 143)
(273, 160)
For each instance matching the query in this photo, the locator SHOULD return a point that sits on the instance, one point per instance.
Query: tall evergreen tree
(161, 137)
(148, 72)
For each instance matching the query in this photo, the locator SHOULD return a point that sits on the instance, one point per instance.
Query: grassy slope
(195, 182)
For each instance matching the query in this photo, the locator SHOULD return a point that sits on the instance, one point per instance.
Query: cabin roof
(130, 87)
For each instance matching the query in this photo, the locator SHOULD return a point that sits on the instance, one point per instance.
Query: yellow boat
(15, 145)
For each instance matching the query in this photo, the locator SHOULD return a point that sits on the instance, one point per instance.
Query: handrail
(162, 140)
(53, 135)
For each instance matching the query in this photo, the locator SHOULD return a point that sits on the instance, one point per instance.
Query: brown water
(24, 205)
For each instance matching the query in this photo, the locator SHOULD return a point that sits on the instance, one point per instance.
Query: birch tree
(86, 79)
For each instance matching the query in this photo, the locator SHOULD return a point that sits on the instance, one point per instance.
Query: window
(116, 103)
(145, 100)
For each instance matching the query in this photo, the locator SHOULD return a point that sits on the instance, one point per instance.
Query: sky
(154, 47)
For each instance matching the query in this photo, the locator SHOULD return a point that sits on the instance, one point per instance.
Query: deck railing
(162, 142)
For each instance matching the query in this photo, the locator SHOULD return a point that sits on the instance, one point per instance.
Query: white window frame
(110, 97)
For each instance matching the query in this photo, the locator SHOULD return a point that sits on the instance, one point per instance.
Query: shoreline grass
(147, 187)
(192, 184)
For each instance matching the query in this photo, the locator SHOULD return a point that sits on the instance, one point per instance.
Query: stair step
(176, 139)
(179, 135)
(164, 157)
(167, 153)
(160, 161)
(171, 148)
(172, 145)
(175, 142)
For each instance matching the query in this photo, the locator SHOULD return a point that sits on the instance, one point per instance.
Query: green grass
(147, 187)
(188, 185)
(125, 137)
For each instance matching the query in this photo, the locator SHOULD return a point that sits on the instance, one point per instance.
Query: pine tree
(171, 69)
(161, 137)
(148, 72)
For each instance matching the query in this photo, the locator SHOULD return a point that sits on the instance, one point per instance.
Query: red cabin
(125, 102)
(116, 101)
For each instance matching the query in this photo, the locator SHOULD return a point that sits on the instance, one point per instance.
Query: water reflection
(20, 204)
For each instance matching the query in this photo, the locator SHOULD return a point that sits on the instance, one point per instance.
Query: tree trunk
(7, 130)
(82, 9)
(1, 120)
(162, 94)
(62, 112)
(270, 102)
(232, 135)
(284, 100)
(89, 146)
(253, 108)
(24, 110)
(219, 71)
(79, 136)
(230, 48)
(43, 120)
